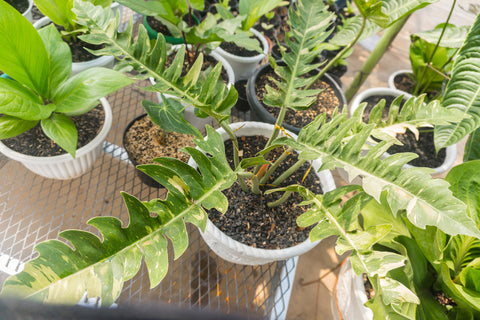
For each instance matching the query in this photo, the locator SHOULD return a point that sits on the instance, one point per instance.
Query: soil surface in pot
(145, 141)
(20, 5)
(232, 48)
(326, 101)
(35, 143)
(36, 13)
(249, 220)
(424, 146)
(405, 82)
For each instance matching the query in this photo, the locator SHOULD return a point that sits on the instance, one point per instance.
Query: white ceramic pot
(349, 296)
(451, 151)
(244, 67)
(65, 166)
(28, 13)
(77, 67)
(236, 252)
(391, 78)
(189, 113)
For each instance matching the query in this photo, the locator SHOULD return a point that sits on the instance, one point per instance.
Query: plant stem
(374, 57)
(429, 61)
(282, 199)
(289, 172)
(275, 165)
(338, 56)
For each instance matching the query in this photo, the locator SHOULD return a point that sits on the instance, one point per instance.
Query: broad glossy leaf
(16, 100)
(150, 8)
(59, 55)
(395, 292)
(254, 10)
(463, 91)
(169, 116)
(81, 92)
(62, 130)
(12, 126)
(372, 10)
(465, 184)
(377, 263)
(59, 11)
(23, 56)
(472, 147)
(453, 37)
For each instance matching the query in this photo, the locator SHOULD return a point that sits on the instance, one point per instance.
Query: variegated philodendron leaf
(426, 201)
(414, 113)
(463, 91)
(332, 217)
(308, 25)
(61, 274)
(206, 92)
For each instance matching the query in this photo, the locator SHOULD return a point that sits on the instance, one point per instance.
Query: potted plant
(431, 55)
(43, 99)
(419, 141)
(24, 7)
(339, 143)
(60, 13)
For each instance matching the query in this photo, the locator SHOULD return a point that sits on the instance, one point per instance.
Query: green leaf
(23, 56)
(372, 10)
(59, 55)
(427, 201)
(394, 9)
(453, 37)
(62, 273)
(465, 184)
(169, 116)
(59, 11)
(16, 100)
(472, 147)
(463, 91)
(253, 10)
(62, 130)
(254, 161)
(12, 126)
(81, 92)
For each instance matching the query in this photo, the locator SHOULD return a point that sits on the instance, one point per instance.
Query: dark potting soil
(232, 48)
(242, 103)
(158, 26)
(326, 101)
(249, 220)
(35, 143)
(36, 14)
(405, 82)
(20, 5)
(424, 147)
(145, 141)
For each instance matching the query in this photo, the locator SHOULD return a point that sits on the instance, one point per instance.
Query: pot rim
(253, 59)
(99, 138)
(391, 78)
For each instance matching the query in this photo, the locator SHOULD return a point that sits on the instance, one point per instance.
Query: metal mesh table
(34, 209)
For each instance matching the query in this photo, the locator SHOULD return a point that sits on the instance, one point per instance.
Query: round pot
(263, 115)
(65, 166)
(349, 296)
(237, 252)
(451, 151)
(142, 175)
(242, 102)
(189, 113)
(28, 13)
(391, 78)
(244, 67)
(77, 67)
(152, 34)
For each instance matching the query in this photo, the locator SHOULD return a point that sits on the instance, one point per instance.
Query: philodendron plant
(43, 92)
(63, 274)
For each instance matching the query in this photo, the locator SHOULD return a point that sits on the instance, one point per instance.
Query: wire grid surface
(34, 209)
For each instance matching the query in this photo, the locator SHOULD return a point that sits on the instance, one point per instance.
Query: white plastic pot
(451, 151)
(65, 166)
(237, 252)
(77, 67)
(243, 67)
(391, 78)
(350, 296)
(28, 13)
(189, 113)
